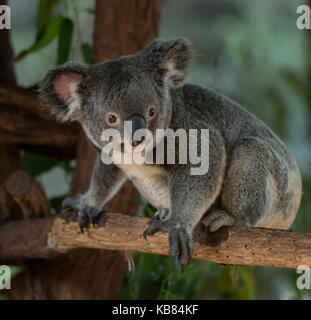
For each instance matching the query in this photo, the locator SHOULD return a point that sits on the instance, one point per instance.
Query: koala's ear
(60, 88)
(168, 60)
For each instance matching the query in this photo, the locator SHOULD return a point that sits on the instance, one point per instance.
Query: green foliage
(86, 51)
(64, 40)
(45, 14)
(16, 270)
(156, 277)
(51, 26)
(49, 34)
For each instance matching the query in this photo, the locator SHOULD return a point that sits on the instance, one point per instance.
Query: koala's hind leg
(217, 219)
(248, 198)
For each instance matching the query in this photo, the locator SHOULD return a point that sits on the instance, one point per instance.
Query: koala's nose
(138, 122)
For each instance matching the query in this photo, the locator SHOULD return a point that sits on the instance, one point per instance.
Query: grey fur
(252, 180)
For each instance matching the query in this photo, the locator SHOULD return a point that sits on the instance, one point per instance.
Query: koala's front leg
(191, 197)
(106, 181)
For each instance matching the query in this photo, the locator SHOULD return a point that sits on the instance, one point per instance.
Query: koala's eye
(152, 112)
(112, 119)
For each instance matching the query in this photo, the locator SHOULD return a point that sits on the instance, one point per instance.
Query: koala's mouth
(134, 144)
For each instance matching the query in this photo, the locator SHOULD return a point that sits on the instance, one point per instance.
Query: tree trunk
(121, 27)
(9, 155)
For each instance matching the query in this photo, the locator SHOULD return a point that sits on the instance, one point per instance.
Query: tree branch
(24, 99)
(235, 246)
(25, 130)
(25, 123)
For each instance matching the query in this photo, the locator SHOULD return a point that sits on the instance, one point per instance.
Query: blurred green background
(248, 50)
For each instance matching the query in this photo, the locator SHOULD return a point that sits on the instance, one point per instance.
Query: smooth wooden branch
(235, 246)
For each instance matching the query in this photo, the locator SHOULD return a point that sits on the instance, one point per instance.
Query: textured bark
(21, 240)
(28, 132)
(25, 123)
(131, 24)
(121, 27)
(9, 155)
(24, 99)
(7, 74)
(236, 246)
(9, 162)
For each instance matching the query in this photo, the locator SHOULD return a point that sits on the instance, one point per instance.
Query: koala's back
(262, 179)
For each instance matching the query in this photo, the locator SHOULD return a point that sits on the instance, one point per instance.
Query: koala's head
(132, 88)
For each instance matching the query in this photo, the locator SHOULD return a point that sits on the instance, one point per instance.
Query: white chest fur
(151, 182)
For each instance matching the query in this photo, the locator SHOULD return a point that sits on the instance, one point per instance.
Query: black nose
(138, 122)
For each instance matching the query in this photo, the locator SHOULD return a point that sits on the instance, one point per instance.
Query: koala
(252, 180)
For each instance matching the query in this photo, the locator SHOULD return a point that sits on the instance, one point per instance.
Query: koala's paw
(159, 223)
(162, 214)
(88, 213)
(180, 245)
(217, 219)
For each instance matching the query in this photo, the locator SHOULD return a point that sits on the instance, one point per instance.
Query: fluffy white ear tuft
(60, 91)
(65, 86)
(168, 60)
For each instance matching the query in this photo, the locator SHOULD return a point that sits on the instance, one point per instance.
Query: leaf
(16, 270)
(47, 30)
(64, 40)
(44, 16)
(50, 33)
(86, 52)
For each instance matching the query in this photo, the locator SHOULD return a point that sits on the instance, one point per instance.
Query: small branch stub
(28, 193)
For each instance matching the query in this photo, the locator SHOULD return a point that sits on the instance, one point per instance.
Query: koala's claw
(180, 241)
(88, 213)
(159, 223)
(181, 246)
(155, 225)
